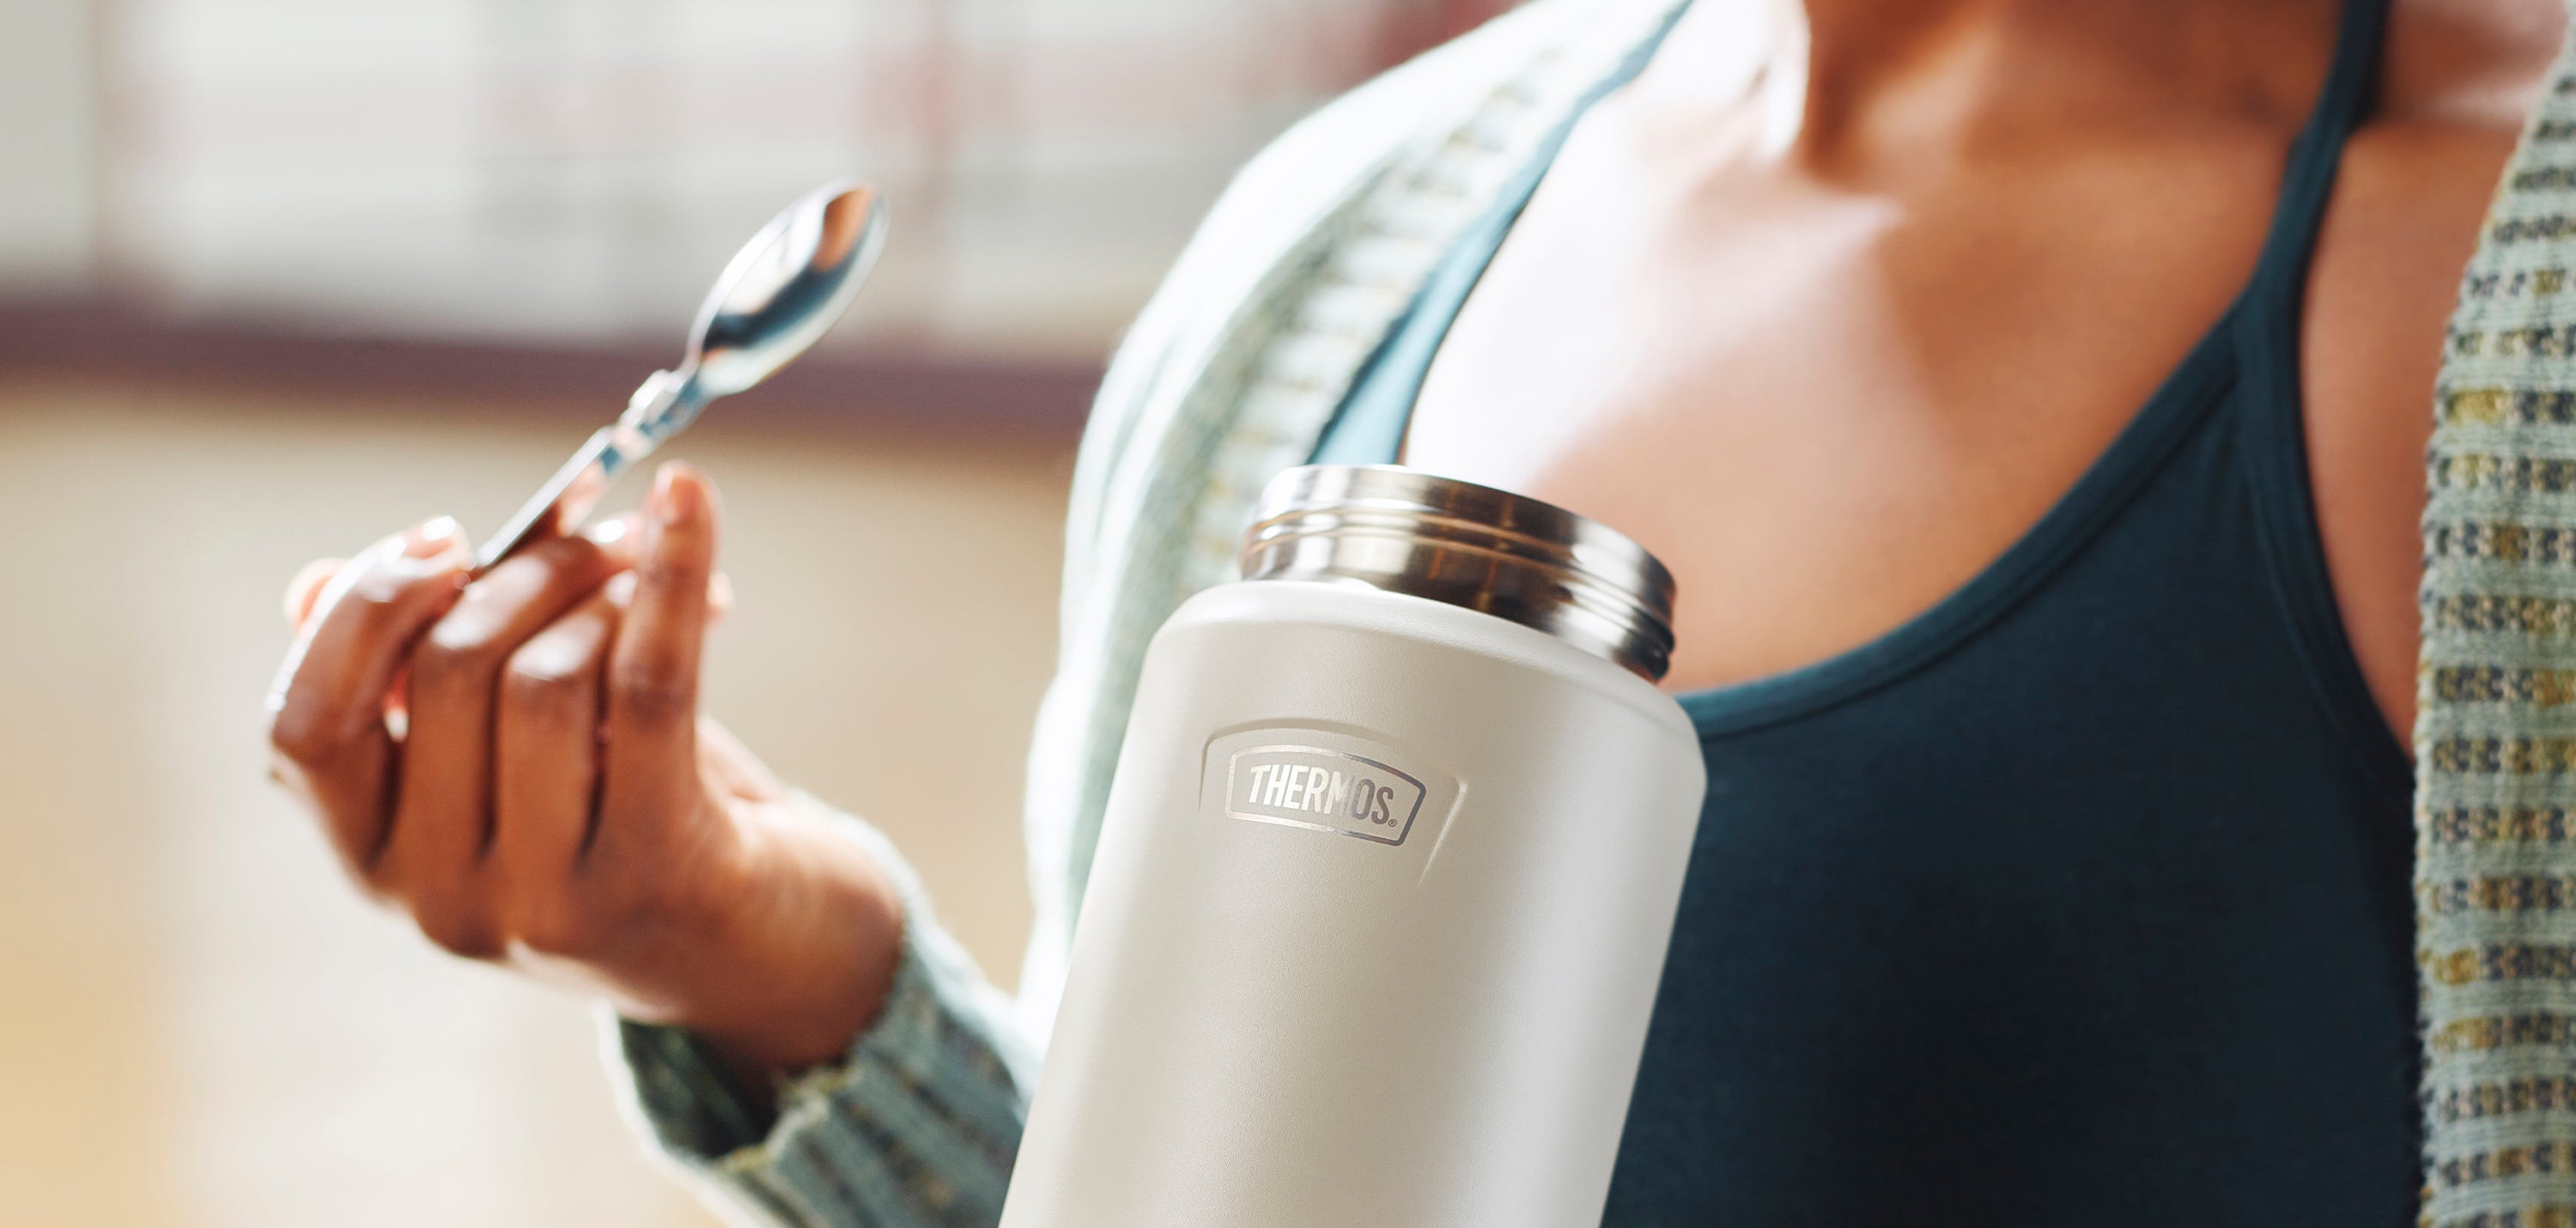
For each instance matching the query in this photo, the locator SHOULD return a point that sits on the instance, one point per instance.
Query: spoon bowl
(774, 300)
(785, 288)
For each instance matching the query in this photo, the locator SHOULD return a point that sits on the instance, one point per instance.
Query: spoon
(779, 295)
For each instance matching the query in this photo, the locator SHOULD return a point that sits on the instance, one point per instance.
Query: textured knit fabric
(1239, 360)
(2495, 744)
(918, 1126)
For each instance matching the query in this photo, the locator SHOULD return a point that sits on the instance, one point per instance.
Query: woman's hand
(519, 764)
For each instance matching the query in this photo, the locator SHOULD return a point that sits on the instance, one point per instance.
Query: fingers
(328, 726)
(720, 595)
(651, 762)
(442, 816)
(302, 591)
(545, 759)
(542, 702)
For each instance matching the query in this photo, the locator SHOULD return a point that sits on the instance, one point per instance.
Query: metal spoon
(779, 295)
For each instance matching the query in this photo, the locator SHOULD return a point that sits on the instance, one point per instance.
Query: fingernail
(607, 532)
(678, 497)
(432, 537)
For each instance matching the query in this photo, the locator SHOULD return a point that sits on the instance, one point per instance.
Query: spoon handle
(566, 497)
(779, 294)
(666, 401)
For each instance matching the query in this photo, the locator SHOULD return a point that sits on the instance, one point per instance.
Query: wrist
(816, 941)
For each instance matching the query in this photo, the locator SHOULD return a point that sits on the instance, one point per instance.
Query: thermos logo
(1308, 786)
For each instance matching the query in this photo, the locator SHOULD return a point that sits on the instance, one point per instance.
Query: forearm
(917, 1125)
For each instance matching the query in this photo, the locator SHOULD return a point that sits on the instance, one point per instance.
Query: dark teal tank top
(2080, 899)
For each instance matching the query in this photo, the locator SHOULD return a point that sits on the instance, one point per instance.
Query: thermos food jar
(1384, 885)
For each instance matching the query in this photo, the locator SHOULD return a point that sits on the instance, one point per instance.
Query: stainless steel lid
(1510, 556)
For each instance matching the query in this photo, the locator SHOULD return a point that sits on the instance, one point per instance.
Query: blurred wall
(202, 1024)
(49, 121)
(568, 171)
(279, 276)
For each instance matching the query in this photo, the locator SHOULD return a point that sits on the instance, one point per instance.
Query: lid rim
(1406, 531)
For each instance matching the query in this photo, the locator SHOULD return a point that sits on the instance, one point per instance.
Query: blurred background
(279, 276)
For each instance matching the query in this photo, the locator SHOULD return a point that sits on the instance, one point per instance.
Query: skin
(556, 804)
(1935, 262)
(1829, 345)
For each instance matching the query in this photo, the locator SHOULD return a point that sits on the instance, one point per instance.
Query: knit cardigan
(2495, 735)
(1231, 373)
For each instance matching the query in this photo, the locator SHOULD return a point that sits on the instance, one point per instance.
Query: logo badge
(1321, 789)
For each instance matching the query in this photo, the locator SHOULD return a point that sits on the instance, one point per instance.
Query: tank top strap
(2307, 183)
(1368, 427)
(2271, 403)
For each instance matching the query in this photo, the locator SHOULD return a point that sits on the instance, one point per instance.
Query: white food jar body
(1375, 922)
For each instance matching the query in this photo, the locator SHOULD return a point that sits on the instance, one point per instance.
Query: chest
(1827, 409)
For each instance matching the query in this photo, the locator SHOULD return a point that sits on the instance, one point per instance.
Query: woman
(2029, 399)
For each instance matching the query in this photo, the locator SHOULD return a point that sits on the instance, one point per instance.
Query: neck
(1848, 83)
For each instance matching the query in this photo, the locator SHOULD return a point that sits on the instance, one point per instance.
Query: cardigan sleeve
(916, 1127)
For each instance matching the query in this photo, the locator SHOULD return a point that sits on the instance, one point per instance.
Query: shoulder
(1333, 154)
(1280, 199)
(2460, 81)
(2417, 186)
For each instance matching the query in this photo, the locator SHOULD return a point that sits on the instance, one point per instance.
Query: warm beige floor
(198, 1024)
